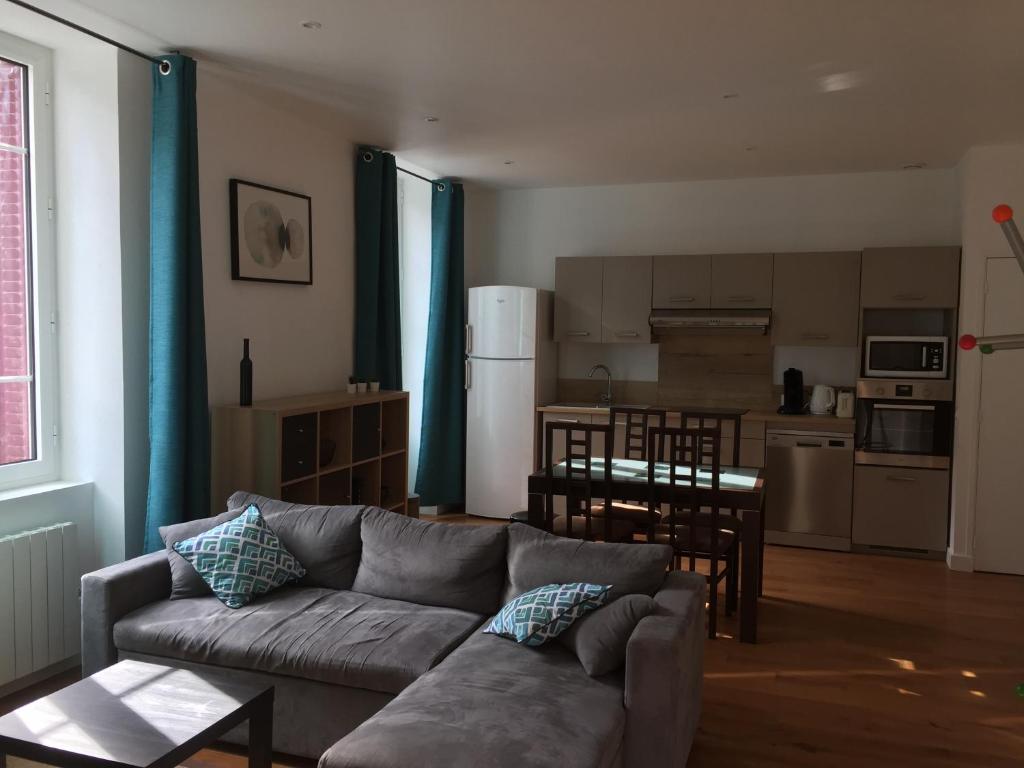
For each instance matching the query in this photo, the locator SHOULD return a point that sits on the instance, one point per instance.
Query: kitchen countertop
(772, 420)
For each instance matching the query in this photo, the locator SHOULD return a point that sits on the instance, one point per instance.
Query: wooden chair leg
(713, 610)
(732, 584)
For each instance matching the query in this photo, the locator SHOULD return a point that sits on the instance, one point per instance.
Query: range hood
(687, 319)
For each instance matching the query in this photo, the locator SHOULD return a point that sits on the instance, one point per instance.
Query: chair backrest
(636, 423)
(578, 468)
(674, 457)
(708, 419)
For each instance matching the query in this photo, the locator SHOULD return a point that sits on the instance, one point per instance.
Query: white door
(500, 415)
(502, 322)
(999, 516)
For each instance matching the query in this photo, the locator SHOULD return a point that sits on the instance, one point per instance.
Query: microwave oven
(906, 357)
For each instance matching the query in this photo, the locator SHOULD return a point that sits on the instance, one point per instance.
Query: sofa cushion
(241, 559)
(324, 539)
(536, 558)
(544, 613)
(456, 566)
(345, 638)
(599, 639)
(185, 580)
(494, 703)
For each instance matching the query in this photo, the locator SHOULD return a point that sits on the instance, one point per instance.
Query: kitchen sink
(596, 405)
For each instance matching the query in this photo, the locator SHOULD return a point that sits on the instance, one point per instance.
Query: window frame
(42, 277)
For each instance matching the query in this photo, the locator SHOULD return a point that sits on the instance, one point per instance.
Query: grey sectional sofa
(378, 658)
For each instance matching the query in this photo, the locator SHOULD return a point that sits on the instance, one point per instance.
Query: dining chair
(636, 422)
(674, 463)
(579, 521)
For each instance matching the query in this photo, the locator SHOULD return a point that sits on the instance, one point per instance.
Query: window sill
(38, 489)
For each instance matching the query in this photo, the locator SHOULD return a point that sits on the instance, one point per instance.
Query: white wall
(533, 227)
(301, 335)
(988, 176)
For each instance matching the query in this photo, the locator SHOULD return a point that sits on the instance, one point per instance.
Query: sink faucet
(606, 398)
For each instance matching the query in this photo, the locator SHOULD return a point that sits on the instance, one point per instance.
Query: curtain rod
(165, 65)
(424, 178)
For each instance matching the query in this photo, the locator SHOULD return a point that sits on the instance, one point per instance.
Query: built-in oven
(906, 357)
(904, 423)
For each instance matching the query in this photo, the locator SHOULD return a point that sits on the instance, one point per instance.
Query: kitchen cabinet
(815, 299)
(626, 299)
(910, 278)
(901, 508)
(578, 286)
(681, 282)
(741, 280)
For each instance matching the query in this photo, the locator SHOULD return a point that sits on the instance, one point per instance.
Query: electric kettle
(823, 400)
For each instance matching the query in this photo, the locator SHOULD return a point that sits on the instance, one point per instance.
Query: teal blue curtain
(378, 342)
(441, 475)
(179, 417)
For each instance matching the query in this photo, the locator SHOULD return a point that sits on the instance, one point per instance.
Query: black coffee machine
(792, 391)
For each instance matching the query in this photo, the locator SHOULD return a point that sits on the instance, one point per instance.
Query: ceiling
(615, 91)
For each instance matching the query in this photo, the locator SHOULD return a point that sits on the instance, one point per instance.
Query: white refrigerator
(510, 370)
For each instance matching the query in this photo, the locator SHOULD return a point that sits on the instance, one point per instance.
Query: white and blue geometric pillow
(241, 559)
(544, 613)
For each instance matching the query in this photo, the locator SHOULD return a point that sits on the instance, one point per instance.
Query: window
(27, 347)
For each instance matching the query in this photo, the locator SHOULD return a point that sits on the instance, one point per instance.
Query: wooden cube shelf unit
(332, 448)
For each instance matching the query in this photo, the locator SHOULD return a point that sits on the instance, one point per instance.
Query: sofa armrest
(113, 592)
(664, 675)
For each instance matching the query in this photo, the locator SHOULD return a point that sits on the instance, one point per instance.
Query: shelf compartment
(394, 420)
(365, 431)
(336, 488)
(392, 480)
(366, 483)
(335, 443)
(303, 492)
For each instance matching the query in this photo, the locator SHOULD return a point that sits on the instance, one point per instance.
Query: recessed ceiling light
(840, 81)
(914, 166)
(430, 119)
(730, 95)
(312, 24)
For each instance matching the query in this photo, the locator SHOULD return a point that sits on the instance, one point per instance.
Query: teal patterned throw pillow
(240, 559)
(544, 613)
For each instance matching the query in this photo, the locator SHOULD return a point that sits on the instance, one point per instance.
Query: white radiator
(39, 599)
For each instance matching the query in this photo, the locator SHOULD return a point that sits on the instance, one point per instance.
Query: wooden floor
(863, 661)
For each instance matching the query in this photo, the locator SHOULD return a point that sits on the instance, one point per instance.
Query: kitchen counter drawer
(901, 508)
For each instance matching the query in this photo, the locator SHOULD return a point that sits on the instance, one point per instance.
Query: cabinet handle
(469, 338)
(909, 297)
(627, 334)
(743, 299)
(578, 333)
(469, 375)
(900, 479)
(567, 421)
(815, 336)
(681, 299)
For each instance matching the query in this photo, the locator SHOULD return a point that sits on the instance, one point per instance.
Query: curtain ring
(367, 157)
(440, 187)
(164, 67)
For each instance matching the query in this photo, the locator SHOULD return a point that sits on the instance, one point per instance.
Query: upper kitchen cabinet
(578, 283)
(815, 299)
(910, 278)
(741, 280)
(626, 299)
(681, 282)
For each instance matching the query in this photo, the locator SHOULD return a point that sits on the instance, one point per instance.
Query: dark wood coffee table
(138, 715)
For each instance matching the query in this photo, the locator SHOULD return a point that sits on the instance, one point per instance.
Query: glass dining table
(740, 488)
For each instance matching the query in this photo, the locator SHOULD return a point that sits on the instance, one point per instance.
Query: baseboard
(39, 675)
(957, 562)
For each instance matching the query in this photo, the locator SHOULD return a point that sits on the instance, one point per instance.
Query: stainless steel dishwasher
(810, 489)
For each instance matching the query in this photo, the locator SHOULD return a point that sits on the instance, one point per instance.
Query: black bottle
(245, 376)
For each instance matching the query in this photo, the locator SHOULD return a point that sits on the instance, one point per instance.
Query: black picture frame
(243, 265)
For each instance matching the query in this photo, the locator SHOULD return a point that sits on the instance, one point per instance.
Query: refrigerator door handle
(469, 338)
(469, 375)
